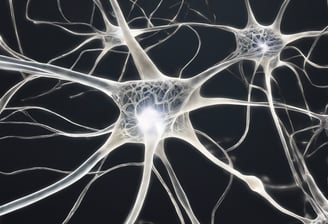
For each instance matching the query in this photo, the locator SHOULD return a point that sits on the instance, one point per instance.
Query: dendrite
(159, 106)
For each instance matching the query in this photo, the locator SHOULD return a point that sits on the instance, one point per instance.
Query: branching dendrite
(157, 107)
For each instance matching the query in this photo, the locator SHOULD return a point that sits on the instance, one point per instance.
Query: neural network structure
(132, 111)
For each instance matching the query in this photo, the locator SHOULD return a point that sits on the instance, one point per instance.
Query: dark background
(111, 197)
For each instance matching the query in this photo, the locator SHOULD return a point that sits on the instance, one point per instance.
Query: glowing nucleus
(150, 121)
(264, 47)
(256, 42)
(148, 105)
(158, 106)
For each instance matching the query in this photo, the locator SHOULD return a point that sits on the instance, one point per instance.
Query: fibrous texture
(231, 116)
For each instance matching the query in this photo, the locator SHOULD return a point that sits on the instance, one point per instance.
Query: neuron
(110, 36)
(263, 45)
(157, 107)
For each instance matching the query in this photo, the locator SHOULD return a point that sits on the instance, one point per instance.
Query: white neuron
(157, 107)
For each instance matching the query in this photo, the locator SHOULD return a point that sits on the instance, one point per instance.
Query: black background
(111, 197)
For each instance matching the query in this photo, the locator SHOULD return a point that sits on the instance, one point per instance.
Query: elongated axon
(266, 137)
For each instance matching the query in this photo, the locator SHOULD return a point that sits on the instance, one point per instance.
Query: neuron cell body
(259, 42)
(149, 106)
(113, 38)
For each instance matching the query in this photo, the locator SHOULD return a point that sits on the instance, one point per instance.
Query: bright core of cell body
(156, 105)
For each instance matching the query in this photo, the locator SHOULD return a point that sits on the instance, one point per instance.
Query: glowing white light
(150, 121)
(264, 47)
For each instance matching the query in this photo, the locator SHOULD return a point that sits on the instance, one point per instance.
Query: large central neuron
(259, 42)
(149, 107)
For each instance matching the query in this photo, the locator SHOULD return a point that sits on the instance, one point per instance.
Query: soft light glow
(152, 106)
(264, 47)
(150, 121)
